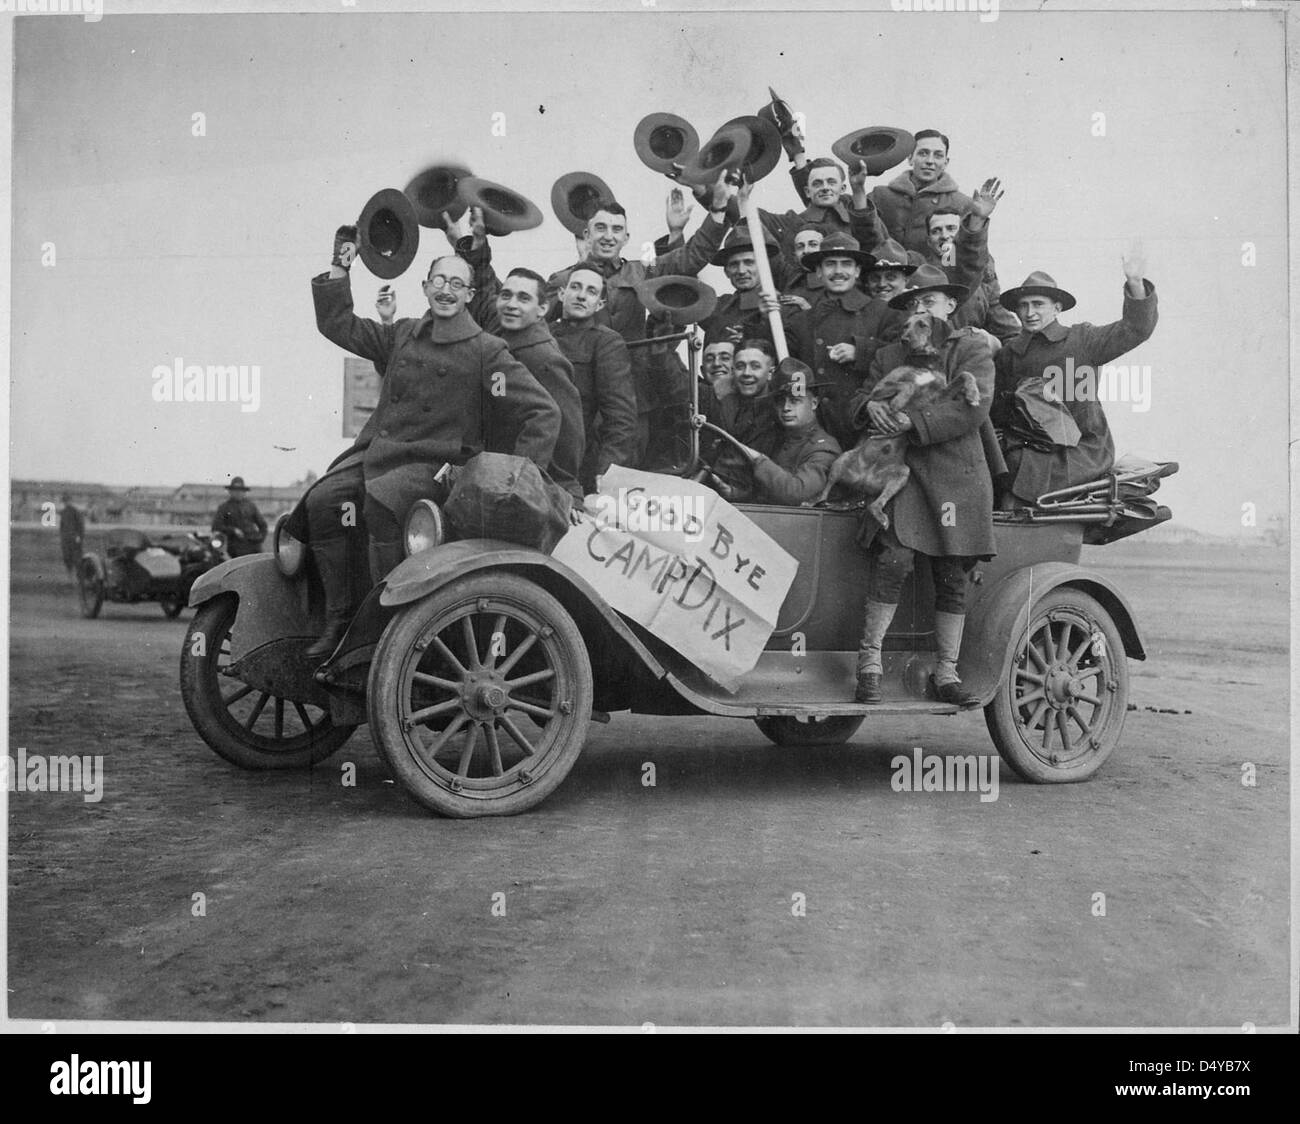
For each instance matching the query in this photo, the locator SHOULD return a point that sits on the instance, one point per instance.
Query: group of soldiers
(563, 370)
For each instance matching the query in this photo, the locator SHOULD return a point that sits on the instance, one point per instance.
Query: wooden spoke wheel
(1060, 713)
(90, 588)
(249, 727)
(480, 696)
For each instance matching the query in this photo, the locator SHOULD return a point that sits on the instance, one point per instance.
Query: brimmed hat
(575, 197)
(738, 241)
(388, 234)
(503, 210)
(727, 148)
(838, 245)
(891, 255)
(778, 112)
(791, 372)
(236, 485)
(928, 279)
(683, 300)
(880, 147)
(664, 139)
(1037, 284)
(434, 191)
(764, 146)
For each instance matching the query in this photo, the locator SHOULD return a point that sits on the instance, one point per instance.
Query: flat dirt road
(674, 904)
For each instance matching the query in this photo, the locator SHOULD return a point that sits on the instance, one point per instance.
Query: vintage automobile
(134, 567)
(479, 664)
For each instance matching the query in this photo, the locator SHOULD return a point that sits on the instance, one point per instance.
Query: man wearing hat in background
(846, 327)
(1031, 370)
(945, 510)
(602, 373)
(446, 385)
(797, 469)
(888, 276)
(239, 521)
(72, 533)
(658, 377)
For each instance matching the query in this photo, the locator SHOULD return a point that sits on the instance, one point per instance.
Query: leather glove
(345, 247)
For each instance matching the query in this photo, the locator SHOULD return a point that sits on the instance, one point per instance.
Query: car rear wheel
(480, 696)
(1060, 713)
(249, 727)
(787, 731)
(90, 588)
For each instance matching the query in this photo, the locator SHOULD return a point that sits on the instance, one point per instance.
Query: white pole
(766, 285)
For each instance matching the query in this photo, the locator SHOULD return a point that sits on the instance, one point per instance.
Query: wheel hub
(1059, 686)
(484, 695)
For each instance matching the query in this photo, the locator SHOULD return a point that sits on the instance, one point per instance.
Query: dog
(876, 465)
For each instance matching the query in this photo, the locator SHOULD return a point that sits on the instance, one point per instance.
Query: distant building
(191, 504)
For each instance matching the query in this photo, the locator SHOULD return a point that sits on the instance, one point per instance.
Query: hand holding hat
(345, 247)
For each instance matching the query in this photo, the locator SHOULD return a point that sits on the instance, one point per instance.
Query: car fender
(994, 622)
(424, 573)
(271, 606)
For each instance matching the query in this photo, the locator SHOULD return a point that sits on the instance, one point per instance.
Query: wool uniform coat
(868, 324)
(1030, 354)
(798, 469)
(738, 317)
(657, 375)
(445, 383)
(946, 507)
(906, 209)
(602, 372)
(752, 422)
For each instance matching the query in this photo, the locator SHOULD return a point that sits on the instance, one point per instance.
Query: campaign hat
(1037, 284)
(388, 234)
(880, 147)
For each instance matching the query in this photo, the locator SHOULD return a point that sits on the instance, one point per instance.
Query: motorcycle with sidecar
(133, 566)
(480, 664)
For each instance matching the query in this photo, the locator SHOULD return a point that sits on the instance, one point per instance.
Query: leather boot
(331, 557)
(384, 556)
(947, 636)
(875, 623)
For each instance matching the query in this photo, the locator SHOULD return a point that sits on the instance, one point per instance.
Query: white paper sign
(678, 559)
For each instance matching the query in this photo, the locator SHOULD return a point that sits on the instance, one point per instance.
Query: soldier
(602, 372)
(1048, 351)
(907, 201)
(72, 533)
(446, 384)
(715, 364)
(796, 471)
(888, 276)
(945, 510)
(747, 415)
(239, 521)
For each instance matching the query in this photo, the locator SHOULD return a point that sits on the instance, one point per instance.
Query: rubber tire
(1000, 714)
(387, 685)
(201, 693)
(790, 732)
(90, 590)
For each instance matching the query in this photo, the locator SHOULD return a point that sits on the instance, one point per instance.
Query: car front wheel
(90, 588)
(249, 727)
(1060, 713)
(480, 696)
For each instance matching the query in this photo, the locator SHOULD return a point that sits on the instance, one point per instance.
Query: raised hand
(986, 198)
(345, 247)
(1135, 263)
(677, 210)
(858, 177)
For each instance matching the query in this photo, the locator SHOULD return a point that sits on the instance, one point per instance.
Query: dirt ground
(673, 904)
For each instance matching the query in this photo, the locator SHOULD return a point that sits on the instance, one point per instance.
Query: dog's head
(917, 332)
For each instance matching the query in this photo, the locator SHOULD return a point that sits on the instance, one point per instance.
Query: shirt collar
(1055, 332)
(454, 330)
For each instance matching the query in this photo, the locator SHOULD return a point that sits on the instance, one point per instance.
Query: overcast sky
(200, 248)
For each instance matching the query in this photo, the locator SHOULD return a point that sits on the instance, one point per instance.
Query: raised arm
(1138, 321)
(332, 295)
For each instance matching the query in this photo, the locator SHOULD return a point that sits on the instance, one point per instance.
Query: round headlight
(424, 528)
(218, 543)
(290, 554)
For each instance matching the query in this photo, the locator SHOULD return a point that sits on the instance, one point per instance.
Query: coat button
(397, 397)
(820, 340)
(383, 433)
(442, 371)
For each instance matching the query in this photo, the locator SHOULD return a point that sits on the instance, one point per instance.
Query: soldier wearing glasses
(446, 382)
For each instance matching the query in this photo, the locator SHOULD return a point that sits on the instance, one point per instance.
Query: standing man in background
(72, 531)
(239, 521)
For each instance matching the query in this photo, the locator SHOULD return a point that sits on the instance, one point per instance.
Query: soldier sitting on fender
(945, 510)
(796, 471)
(446, 381)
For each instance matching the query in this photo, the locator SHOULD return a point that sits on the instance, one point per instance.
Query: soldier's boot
(875, 623)
(947, 636)
(331, 557)
(383, 557)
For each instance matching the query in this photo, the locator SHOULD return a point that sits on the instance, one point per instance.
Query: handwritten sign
(678, 559)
